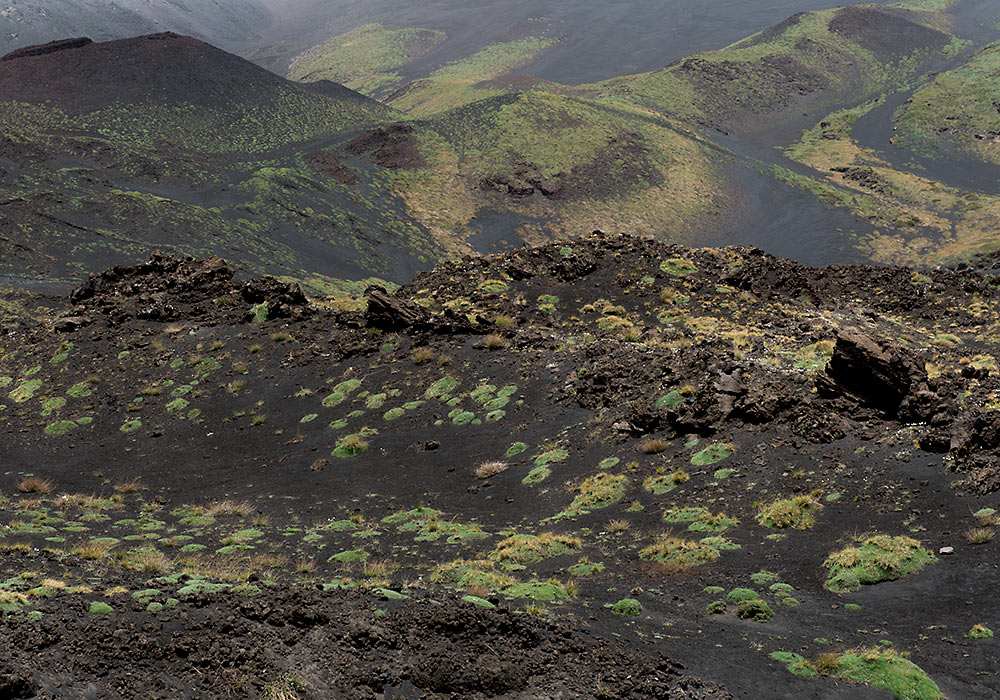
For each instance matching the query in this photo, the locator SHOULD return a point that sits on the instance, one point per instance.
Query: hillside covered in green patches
(560, 164)
(958, 109)
(313, 181)
(682, 152)
(365, 59)
(812, 61)
(420, 376)
(111, 151)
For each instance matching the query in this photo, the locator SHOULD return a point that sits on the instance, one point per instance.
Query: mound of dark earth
(168, 288)
(80, 76)
(323, 645)
(886, 31)
(393, 146)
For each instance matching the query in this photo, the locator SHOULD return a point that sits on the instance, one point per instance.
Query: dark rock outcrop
(283, 299)
(168, 288)
(391, 313)
(870, 372)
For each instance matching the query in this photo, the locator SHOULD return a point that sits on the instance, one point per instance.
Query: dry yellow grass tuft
(228, 508)
(487, 469)
(93, 550)
(34, 484)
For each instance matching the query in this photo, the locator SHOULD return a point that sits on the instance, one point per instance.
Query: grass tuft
(94, 549)
(228, 508)
(489, 469)
(652, 446)
(796, 513)
(878, 558)
(886, 669)
(518, 550)
(979, 535)
(34, 484)
(680, 552)
(495, 341)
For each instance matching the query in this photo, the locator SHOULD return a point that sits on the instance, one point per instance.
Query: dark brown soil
(886, 32)
(161, 68)
(96, 75)
(393, 146)
(328, 163)
(168, 288)
(784, 80)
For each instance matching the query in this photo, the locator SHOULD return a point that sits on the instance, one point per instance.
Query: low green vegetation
(59, 427)
(365, 59)
(598, 491)
(429, 526)
(747, 80)
(678, 267)
(99, 608)
(684, 553)
(627, 607)
(980, 631)
(796, 513)
(716, 452)
(341, 392)
(457, 83)
(886, 669)
(517, 551)
(700, 519)
(815, 356)
(796, 664)
(546, 591)
(957, 108)
(756, 610)
(665, 483)
(882, 668)
(516, 449)
(475, 574)
(740, 595)
(353, 444)
(585, 568)
(875, 559)
(542, 462)
(588, 164)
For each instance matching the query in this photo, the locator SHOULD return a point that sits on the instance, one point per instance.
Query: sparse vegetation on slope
(365, 59)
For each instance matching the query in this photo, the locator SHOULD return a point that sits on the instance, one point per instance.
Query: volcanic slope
(717, 454)
(110, 151)
(959, 108)
(167, 89)
(557, 165)
(687, 149)
(811, 61)
(509, 157)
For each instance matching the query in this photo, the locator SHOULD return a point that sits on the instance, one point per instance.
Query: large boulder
(871, 372)
(392, 313)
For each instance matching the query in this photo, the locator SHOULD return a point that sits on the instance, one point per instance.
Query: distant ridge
(51, 47)
(79, 75)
